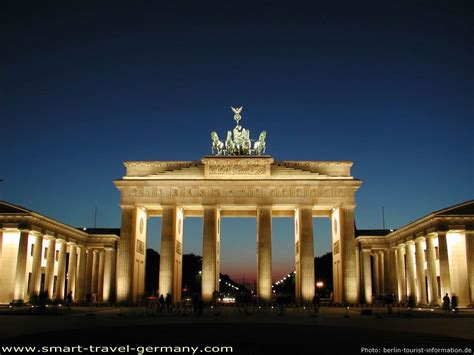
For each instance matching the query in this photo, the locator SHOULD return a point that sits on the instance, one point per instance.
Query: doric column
(431, 270)
(171, 252)
(375, 258)
(1, 244)
(456, 239)
(50, 259)
(95, 270)
(20, 276)
(410, 255)
(264, 253)
(81, 275)
(35, 282)
(304, 258)
(381, 273)
(420, 271)
(444, 272)
(130, 280)
(367, 276)
(386, 271)
(71, 273)
(89, 268)
(61, 270)
(401, 276)
(100, 281)
(470, 263)
(210, 252)
(393, 272)
(351, 286)
(109, 271)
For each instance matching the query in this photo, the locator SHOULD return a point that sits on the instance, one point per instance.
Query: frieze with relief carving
(237, 191)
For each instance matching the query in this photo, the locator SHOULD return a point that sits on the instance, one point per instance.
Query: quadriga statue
(259, 146)
(217, 145)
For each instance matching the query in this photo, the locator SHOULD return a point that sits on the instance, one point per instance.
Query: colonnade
(67, 266)
(423, 268)
(129, 274)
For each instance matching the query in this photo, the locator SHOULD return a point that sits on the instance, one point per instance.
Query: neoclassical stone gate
(236, 186)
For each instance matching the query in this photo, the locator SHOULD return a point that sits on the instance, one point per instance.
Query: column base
(16, 303)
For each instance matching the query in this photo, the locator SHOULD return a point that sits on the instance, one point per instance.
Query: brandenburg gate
(239, 180)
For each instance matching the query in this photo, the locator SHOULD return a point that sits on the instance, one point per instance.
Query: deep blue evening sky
(385, 84)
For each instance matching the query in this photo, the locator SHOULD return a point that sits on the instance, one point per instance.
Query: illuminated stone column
(444, 272)
(381, 273)
(386, 271)
(456, 240)
(375, 257)
(1, 244)
(81, 275)
(348, 254)
(410, 255)
(61, 270)
(20, 277)
(100, 281)
(264, 253)
(109, 270)
(35, 282)
(171, 255)
(95, 270)
(431, 270)
(89, 268)
(367, 276)
(210, 252)
(401, 276)
(420, 271)
(125, 258)
(393, 272)
(130, 275)
(304, 254)
(470, 263)
(49, 275)
(71, 273)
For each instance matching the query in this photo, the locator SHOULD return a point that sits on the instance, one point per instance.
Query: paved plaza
(248, 331)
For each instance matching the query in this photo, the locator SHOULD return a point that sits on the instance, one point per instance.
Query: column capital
(457, 228)
(410, 242)
(304, 206)
(401, 246)
(419, 239)
(211, 206)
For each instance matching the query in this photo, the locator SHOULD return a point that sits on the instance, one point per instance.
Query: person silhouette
(168, 302)
(446, 303)
(162, 303)
(69, 300)
(454, 303)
